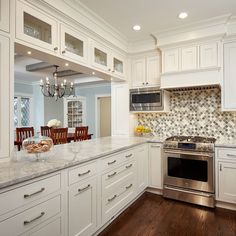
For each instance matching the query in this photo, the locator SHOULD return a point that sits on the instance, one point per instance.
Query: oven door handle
(189, 153)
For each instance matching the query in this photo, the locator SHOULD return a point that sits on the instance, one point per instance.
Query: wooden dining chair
(59, 135)
(23, 133)
(81, 133)
(45, 131)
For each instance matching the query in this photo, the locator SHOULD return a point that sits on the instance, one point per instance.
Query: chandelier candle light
(55, 90)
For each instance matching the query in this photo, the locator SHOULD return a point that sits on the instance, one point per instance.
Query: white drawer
(114, 177)
(18, 197)
(114, 202)
(226, 153)
(114, 160)
(30, 218)
(82, 172)
(51, 228)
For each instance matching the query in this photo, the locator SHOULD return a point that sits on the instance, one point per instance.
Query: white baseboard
(226, 205)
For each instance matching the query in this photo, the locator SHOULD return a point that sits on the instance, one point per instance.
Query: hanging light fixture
(55, 90)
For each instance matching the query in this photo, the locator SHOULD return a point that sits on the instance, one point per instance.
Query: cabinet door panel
(36, 27)
(118, 65)
(74, 44)
(208, 55)
(229, 84)
(4, 97)
(227, 186)
(82, 208)
(4, 15)
(138, 72)
(189, 58)
(153, 70)
(155, 166)
(171, 61)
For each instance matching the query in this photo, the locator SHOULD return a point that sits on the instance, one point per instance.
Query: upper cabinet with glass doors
(106, 60)
(74, 45)
(4, 15)
(35, 27)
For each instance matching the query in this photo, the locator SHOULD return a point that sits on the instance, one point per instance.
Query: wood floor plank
(152, 215)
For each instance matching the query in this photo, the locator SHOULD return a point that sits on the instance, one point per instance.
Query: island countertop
(20, 168)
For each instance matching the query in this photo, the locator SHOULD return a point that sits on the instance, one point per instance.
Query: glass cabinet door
(35, 27)
(118, 65)
(74, 44)
(101, 57)
(75, 114)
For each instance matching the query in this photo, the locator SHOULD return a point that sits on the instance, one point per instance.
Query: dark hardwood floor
(153, 215)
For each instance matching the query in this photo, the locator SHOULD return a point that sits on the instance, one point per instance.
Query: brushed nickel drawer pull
(35, 193)
(127, 187)
(231, 155)
(127, 167)
(130, 155)
(111, 199)
(83, 189)
(26, 222)
(85, 173)
(220, 167)
(111, 175)
(112, 162)
(155, 146)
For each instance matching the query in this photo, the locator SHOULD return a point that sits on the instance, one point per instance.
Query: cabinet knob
(63, 52)
(113, 71)
(143, 83)
(55, 49)
(109, 70)
(146, 83)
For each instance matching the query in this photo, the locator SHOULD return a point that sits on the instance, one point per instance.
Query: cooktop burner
(191, 139)
(193, 143)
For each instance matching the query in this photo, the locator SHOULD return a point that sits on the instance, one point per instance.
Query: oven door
(145, 100)
(189, 170)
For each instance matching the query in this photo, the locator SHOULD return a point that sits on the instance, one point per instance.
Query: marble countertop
(21, 167)
(226, 142)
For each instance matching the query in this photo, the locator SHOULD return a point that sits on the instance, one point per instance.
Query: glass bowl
(37, 145)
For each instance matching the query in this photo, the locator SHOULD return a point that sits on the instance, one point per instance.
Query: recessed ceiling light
(29, 52)
(183, 15)
(136, 27)
(66, 64)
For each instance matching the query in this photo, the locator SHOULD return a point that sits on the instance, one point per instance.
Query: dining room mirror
(58, 97)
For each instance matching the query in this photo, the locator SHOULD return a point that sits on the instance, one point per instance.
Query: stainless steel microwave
(146, 99)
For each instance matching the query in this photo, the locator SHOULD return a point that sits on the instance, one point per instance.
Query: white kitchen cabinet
(146, 71)
(35, 27)
(4, 97)
(120, 109)
(118, 65)
(155, 165)
(189, 58)
(153, 70)
(229, 81)
(170, 60)
(138, 72)
(208, 55)
(227, 177)
(82, 208)
(4, 15)
(74, 112)
(74, 45)
(101, 57)
(141, 154)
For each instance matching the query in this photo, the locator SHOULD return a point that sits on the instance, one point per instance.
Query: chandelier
(55, 90)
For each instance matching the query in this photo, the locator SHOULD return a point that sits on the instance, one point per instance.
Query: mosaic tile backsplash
(192, 112)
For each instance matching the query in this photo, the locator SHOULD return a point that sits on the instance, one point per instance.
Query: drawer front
(82, 172)
(30, 218)
(51, 228)
(226, 153)
(114, 177)
(114, 202)
(114, 160)
(18, 197)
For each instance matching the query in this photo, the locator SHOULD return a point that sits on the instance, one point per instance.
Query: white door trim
(97, 113)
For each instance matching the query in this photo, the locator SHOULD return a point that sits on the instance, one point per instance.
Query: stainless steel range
(189, 169)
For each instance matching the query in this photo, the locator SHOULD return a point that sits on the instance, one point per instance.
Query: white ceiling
(156, 15)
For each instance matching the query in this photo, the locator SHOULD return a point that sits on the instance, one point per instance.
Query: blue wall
(90, 92)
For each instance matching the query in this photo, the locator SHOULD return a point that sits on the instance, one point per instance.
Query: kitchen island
(79, 189)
